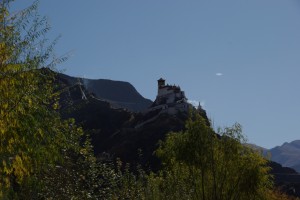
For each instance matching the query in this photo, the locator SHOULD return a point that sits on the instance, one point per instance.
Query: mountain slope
(133, 136)
(119, 94)
(116, 131)
(287, 154)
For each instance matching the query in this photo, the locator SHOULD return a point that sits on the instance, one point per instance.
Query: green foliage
(41, 155)
(80, 176)
(129, 185)
(32, 135)
(199, 164)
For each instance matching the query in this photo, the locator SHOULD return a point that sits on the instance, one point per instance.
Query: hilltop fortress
(170, 99)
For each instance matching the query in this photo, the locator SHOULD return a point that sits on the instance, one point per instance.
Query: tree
(200, 164)
(32, 135)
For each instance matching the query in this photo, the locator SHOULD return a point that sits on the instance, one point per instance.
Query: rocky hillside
(118, 93)
(133, 136)
(116, 131)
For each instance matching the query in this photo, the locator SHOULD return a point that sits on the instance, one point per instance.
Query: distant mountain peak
(288, 154)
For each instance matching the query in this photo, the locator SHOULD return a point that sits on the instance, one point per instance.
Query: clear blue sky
(253, 46)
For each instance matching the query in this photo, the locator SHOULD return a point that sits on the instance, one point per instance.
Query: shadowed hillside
(119, 94)
(133, 136)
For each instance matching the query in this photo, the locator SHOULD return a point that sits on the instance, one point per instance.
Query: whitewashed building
(170, 99)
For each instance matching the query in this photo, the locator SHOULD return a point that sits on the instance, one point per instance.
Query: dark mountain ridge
(119, 94)
(117, 131)
(133, 136)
